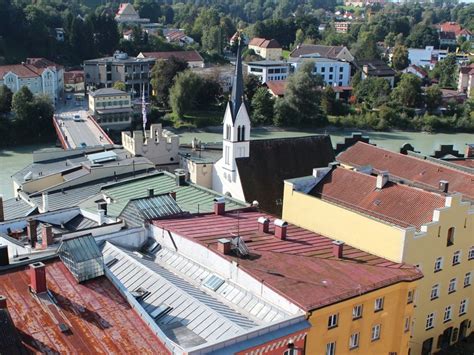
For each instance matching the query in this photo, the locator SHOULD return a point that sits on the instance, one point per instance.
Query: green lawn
(286, 54)
(201, 118)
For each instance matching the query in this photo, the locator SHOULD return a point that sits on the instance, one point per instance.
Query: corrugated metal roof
(190, 198)
(14, 208)
(80, 249)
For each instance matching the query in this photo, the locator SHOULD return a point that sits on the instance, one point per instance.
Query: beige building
(111, 108)
(466, 80)
(268, 49)
(158, 145)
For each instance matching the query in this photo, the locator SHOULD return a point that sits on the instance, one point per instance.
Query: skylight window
(214, 282)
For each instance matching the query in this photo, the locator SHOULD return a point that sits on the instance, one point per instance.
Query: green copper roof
(190, 198)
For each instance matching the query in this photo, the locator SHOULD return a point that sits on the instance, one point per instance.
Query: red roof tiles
(277, 87)
(264, 43)
(423, 172)
(99, 318)
(398, 204)
(33, 67)
(301, 268)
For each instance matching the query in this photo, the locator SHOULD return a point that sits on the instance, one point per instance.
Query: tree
(262, 107)
(372, 91)
(251, 84)
(433, 98)
(400, 57)
(6, 96)
(120, 85)
(162, 76)
(301, 104)
(422, 36)
(408, 91)
(21, 103)
(446, 72)
(328, 100)
(184, 92)
(366, 47)
(212, 40)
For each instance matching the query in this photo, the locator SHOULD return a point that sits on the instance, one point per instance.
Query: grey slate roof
(273, 160)
(17, 208)
(237, 96)
(107, 92)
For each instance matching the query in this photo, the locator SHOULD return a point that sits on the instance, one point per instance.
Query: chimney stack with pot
(38, 277)
(47, 235)
(280, 228)
(31, 230)
(223, 246)
(382, 179)
(338, 248)
(263, 225)
(444, 186)
(219, 206)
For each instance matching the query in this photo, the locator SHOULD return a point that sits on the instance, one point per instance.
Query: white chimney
(382, 179)
(45, 202)
(101, 219)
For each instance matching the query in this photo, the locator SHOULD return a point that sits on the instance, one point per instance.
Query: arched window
(227, 132)
(450, 240)
(238, 134)
(243, 133)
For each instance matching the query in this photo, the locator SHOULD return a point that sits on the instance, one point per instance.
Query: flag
(144, 108)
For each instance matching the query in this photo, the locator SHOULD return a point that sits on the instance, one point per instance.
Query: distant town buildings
(74, 81)
(134, 72)
(334, 72)
(363, 3)
(177, 36)
(127, 14)
(342, 26)
(378, 69)
(314, 50)
(427, 57)
(111, 108)
(40, 75)
(416, 70)
(192, 57)
(267, 70)
(268, 49)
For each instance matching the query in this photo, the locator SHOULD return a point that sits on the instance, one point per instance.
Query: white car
(77, 118)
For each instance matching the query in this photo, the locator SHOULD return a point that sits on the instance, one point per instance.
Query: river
(14, 159)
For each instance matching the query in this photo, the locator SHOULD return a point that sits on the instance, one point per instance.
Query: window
(331, 69)
(456, 257)
(438, 264)
(406, 328)
(430, 321)
(341, 69)
(331, 348)
(354, 341)
(238, 134)
(332, 320)
(243, 133)
(378, 304)
(450, 239)
(357, 312)
(330, 77)
(411, 294)
(323, 69)
(467, 279)
(376, 332)
(452, 286)
(227, 155)
(434, 292)
(448, 314)
(471, 253)
(463, 307)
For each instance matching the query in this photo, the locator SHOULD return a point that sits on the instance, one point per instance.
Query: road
(76, 128)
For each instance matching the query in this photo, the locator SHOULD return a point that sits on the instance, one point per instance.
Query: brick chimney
(470, 150)
(382, 179)
(2, 215)
(38, 277)
(3, 302)
(223, 246)
(219, 206)
(444, 186)
(338, 248)
(47, 235)
(263, 225)
(31, 230)
(280, 228)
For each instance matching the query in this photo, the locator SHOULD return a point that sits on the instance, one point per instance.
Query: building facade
(437, 238)
(466, 79)
(269, 70)
(111, 108)
(333, 72)
(268, 49)
(134, 72)
(40, 75)
(426, 57)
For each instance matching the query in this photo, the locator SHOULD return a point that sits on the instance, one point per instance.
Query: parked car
(77, 118)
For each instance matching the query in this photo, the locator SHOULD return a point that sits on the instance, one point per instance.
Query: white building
(269, 70)
(159, 145)
(334, 72)
(466, 79)
(426, 57)
(40, 75)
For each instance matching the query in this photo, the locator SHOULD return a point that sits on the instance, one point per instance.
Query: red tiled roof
(22, 70)
(301, 268)
(74, 76)
(426, 173)
(398, 204)
(264, 43)
(277, 87)
(451, 27)
(100, 319)
(188, 56)
(463, 162)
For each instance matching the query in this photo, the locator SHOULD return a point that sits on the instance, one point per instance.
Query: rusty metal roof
(99, 319)
(301, 268)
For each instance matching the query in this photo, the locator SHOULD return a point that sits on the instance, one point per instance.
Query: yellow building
(433, 231)
(357, 303)
(268, 49)
(111, 108)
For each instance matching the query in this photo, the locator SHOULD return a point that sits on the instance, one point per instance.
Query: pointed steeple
(237, 97)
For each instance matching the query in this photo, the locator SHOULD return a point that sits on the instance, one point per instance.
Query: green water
(14, 159)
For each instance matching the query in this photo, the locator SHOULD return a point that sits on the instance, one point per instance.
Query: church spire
(237, 97)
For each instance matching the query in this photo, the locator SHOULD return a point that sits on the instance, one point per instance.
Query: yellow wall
(392, 242)
(393, 338)
(113, 101)
(333, 221)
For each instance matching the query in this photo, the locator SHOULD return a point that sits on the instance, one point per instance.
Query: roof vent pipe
(263, 225)
(338, 248)
(382, 179)
(219, 206)
(280, 228)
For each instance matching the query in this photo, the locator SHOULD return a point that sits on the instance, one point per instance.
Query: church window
(227, 155)
(242, 133)
(238, 134)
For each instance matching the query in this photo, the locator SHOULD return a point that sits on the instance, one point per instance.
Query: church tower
(236, 137)
(236, 128)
